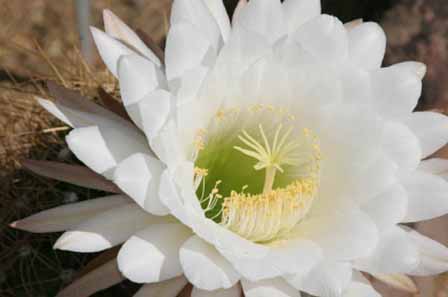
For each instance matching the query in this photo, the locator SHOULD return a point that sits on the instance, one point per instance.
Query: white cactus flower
(274, 155)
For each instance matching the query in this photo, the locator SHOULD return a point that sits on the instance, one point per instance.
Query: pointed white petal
(399, 281)
(435, 166)
(219, 12)
(106, 230)
(367, 45)
(433, 255)
(110, 49)
(415, 67)
(389, 208)
(427, 196)
(204, 267)
(153, 110)
(152, 255)
(343, 235)
(186, 49)
(396, 90)
(395, 253)
(198, 15)
(359, 289)
(68, 216)
(264, 17)
(168, 288)
(431, 129)
(324, 37)
(402, 146)
(116, 28)
(271, 287)
(138, 77)
(96, 280)
(103, 148)
(139, 177)
(234, 291)
(326, 279)
(298, 12)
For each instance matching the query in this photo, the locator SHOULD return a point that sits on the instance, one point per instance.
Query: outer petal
(324, 37)
(389, 208)
(342, 235)
(168, 288)
(151, 255)
(267, 288)
(327, 279)
(402, 146)
(138, 77)
(360, 289)
(68, 216)
(433, 255)
(395, 253)
(219, 12)
(416, 67)
(435, 166)
(367, 45)
(298, 12)
(401, 282)
(182, 54)
(234, 291)
(196, 13)
(396, 90)
(427, 196)
(106, 230)
(110, 49)
(264, 17)
(116, 28)
(204, 267)
(102, 148)
(154, 110)
(139, 177)
(431, 129)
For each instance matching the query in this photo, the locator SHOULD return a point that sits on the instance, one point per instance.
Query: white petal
(353, 24)
(153, 110)
(103, 148)
(367, 45)
(294, 257)
(298, 12)
(343, 235)
(234, 291)
(412, 66)
(268, 288)
(116, 28)
(395, 253)
(264, 17)
(324, 37)
(204, 267)
(396, 90)
(435, 166)
(152, 255)
(139, 177)
(219, 12)
(68, 216)
(110, 49)
(431, 129)
(358, 289)
(427, 196)
(138, 77)
(433, 255)
(401, 282)
(106, 230)
(326, 279)
(196, 13)
(168, 288)
(389, 208)
(402, 146)
(186, 49)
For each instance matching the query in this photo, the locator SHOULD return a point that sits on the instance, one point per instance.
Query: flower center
(257, 172)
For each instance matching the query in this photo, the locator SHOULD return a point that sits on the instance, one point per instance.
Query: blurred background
(40, 40)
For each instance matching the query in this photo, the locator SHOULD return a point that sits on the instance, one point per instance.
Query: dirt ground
(39, 41)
